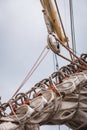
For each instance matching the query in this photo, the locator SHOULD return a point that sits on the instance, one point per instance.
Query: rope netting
(59, 99)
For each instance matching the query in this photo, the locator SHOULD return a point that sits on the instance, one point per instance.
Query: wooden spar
(53, 18)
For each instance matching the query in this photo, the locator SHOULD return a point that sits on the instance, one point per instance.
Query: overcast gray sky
(23, 36)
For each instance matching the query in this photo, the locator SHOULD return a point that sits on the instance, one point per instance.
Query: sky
(23, 35)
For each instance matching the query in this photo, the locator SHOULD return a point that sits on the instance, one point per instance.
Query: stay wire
(62, 24)
(55, 62)
(36, 64)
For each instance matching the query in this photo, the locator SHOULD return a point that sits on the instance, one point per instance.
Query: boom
(52, 20)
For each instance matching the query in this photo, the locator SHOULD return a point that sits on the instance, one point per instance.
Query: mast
(72, 27)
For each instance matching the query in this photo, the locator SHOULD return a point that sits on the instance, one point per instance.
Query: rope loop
(23, 99)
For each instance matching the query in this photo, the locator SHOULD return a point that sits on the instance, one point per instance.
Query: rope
(20, 123)
(36, 64)
(67, 48)
(71, 61)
